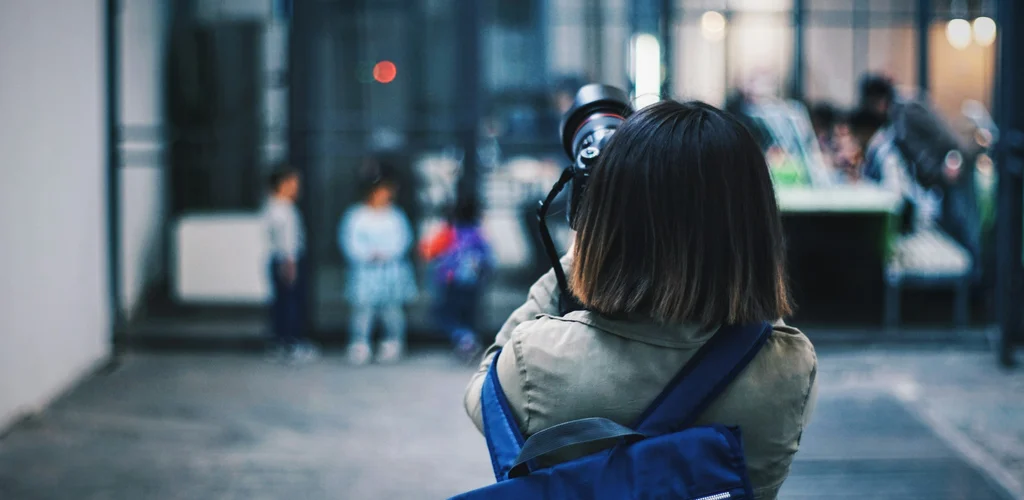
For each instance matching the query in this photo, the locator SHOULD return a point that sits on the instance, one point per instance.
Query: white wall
(54, 317)
(144, 32)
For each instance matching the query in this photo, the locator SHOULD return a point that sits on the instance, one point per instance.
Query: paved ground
(894, 424)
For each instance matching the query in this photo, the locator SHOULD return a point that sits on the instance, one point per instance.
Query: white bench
(221, 258)
(925, 259)
(928, 259)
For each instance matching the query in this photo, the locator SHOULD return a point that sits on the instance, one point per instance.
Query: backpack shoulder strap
(504, 440)
(703, 378)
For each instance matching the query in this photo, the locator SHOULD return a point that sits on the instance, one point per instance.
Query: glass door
(375, 97)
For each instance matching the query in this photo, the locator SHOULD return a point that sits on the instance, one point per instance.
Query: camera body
(596, 113)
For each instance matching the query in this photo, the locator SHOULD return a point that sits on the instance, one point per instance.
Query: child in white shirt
(287, 268)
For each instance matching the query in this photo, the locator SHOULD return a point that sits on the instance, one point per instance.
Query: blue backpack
(661, 457)
(467, 261)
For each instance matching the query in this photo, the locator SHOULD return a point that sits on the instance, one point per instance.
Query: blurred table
(862, 199)
(838, 239)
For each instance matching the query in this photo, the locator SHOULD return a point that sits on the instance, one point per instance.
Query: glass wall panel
(845, 40)
(724, 45)
(959, 74)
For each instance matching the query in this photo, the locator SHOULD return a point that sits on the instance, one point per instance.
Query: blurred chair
(928, 259)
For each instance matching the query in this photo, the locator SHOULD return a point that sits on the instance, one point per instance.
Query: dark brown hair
(280, 174)
(864, 124)
(679, 223)
(377, 174)
(875, 87)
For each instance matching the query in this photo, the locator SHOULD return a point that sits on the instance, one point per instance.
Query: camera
(596, 112)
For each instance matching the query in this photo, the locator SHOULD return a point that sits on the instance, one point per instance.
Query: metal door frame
(1009, 110)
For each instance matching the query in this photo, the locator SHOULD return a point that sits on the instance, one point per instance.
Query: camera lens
(596, 112)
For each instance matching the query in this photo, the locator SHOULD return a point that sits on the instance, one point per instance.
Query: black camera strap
(567, 301)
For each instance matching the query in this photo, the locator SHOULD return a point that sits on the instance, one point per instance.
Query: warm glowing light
(712, 26)
(646, 70)
(958, 32)
(984, 31)
(983, 137)
(984, 164)
(385, 71)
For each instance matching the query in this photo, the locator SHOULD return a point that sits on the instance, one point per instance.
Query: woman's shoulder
(783, 372)
(788, 357)
(787, 362)
(550, 352)
(541, 327)
(549, 336)
(791, 343)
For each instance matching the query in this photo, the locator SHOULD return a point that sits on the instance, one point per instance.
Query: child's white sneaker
(303, 352)
(358, 354)
(390, 351)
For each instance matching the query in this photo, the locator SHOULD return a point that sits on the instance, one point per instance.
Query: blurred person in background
(832, 129)
(928, 145)
(824, 118)
(931, 156)
(878, 96)
(287, 242)
(912, 127)
(760, 86)
(846, 152)
(461, 261)
(679, 234)
(883, 164)
(862, 127)
(739, 102)
(375, 237)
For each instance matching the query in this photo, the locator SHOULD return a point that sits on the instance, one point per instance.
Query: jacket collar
(644, 330)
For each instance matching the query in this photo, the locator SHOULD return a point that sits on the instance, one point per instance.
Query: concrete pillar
(1009, 116)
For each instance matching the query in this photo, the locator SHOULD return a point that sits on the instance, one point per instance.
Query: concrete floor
(899, 424)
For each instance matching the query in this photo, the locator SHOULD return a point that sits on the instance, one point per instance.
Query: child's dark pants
(287, 311)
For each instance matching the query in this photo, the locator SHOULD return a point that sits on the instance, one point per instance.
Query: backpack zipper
(720, 496)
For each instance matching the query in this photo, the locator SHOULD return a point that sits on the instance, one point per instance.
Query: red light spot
(385, 71)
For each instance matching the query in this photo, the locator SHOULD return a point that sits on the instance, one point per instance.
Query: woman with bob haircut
(678, 234)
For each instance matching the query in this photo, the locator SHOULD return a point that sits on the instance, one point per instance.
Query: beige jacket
(556, 369)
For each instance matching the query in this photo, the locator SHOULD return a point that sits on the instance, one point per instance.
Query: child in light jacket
(462, 260)
(375, 237)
